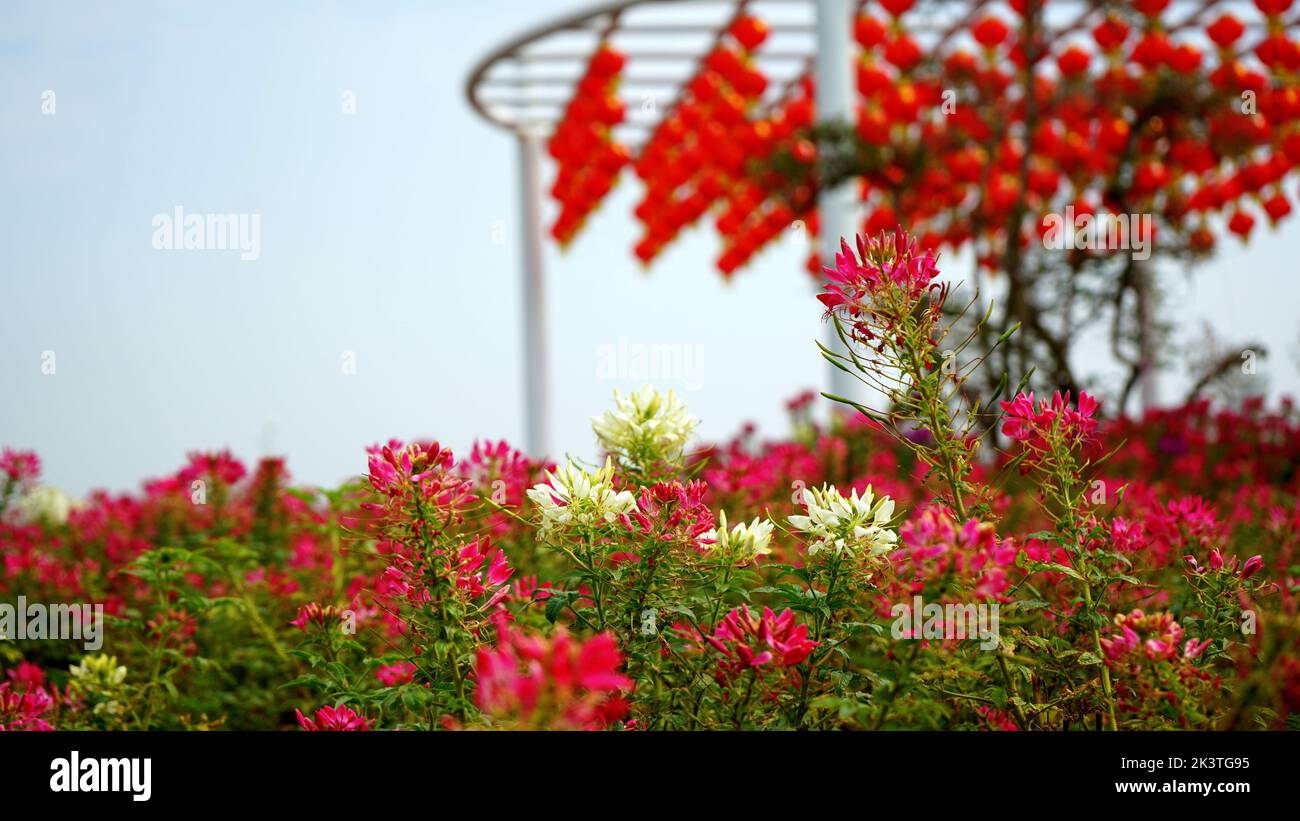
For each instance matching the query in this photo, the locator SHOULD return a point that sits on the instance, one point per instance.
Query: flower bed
(1126, 573)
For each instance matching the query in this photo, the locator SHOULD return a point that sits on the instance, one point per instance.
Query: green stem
(1105, 671)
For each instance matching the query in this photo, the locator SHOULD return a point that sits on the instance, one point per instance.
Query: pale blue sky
(376, 238)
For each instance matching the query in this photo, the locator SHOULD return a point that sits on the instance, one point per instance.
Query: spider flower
(1155, 636)
(750, 640)
(877, 290)
(1038, 423)
(557, 683)
(672, 513)
(335, 719)
(23, 709)
(856, 524)
(20, 465)
(743, 543)
(645, 426)
(571, 498)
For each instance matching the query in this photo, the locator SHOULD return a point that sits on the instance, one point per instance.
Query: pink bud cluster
(1154, 636)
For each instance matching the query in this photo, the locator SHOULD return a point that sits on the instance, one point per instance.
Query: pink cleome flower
(672, 513)
(748, 640)
(1155, 637)
(23, 704)
(220, 465)
(886, 262)
(421, 475)
(933, 545)
(391, 675)
(321, 615)
(20, 465)
(481, 569)
(341, 718)
(1034, 423)
(553, 683)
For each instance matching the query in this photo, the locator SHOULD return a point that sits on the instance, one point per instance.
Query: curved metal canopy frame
(526, 83)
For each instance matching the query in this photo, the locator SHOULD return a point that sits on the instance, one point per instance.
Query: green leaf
(554, 605)
(1029, 604)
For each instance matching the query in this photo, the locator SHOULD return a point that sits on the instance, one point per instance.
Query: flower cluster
(48, 503)
(646, 427)
(98, 672)
(748, 640)
(743, 543)
(100, 678)
(877, 293)
(673, 514)
(572, 499)
(554, 683)
(888, 261)
(1217, 563)
(418, 475)
(480, 570)
(220, 466)
(316, 614)
(935, 548)
(24, 709)
(19, 465)
(1154, 636)
(856, 524)
(334, 719)
(1039, 424)
(654, 609)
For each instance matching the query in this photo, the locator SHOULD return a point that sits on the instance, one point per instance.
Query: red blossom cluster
(878, 288)
(24, 709)
(316, 614)
(27, 703)
(1039, 424)
(502, 474)
(1155, 636)
(1217, 562)
(221, 465)
(420, 475)
(750, 641)
(334, 719)
(477, 571)
(1199, 442)
(551, 683)
(20, 465)
(392, 675)
(672, 514)
(934, 548)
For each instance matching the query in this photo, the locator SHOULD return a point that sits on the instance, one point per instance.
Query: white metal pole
(536, 408)
(837, 208)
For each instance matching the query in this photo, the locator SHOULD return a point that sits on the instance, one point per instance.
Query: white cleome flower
(645, 424)
(46, 503)
(571, 497)
(98, 672)
(857, 524)
(742, 543)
